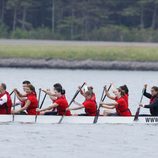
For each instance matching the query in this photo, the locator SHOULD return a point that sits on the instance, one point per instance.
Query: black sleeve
(155, 104)
(148, 95)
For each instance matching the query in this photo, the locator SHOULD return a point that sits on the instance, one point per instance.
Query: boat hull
(77, 119)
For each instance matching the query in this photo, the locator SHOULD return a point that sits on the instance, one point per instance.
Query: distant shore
(78, 55)
(77, 64)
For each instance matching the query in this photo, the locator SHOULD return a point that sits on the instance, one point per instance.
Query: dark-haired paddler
(153, 96)
(59, 102)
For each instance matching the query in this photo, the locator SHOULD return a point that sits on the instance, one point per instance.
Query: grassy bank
(79, 52)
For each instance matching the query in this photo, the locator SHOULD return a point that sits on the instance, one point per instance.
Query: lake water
(79, 141)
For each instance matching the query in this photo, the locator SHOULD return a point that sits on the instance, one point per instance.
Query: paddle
(100, 101)
(138, 109)
(14, 102)
(43, 101)
(11, 93)
(39, 96)
(74, 97)
(98, 110)
(108, 90)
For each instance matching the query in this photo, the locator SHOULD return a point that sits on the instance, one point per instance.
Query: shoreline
(77, 64)
(28, 42)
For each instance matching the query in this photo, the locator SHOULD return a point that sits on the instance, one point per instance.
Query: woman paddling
(124, 88)
(83, 92)
(59, 102)
(22, 97)
(51, 93)
(120, 105)
(153, 106)
(31, 102)
(89, 104)
(53, 98)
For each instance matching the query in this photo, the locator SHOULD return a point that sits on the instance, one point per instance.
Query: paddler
(5, 100)
(22, 97)
(85, 89)
(120, 104)
(124, 88)
(53, 98)
(89, 104)
(31, 102)
(153, 96)
(59, 102)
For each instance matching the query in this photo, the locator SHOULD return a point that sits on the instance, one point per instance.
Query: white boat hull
(77, 119)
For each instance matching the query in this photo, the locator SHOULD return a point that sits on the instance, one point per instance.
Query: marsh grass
(76, 52)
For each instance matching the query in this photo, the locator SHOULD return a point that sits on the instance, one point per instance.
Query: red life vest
(122, 107)
(93, 98)
(125, 97)
(31, 110)
(90, 107)
(54, 109)
(62, 106)
(6, 107)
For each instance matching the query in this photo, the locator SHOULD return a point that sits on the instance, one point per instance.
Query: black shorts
(82, 115)
(22, 113)
(112, 114)
(51, 113)
(147, 115)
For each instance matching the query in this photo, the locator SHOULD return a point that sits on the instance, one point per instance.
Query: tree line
(114, 20)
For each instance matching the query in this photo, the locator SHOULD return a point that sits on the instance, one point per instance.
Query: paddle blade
(61, 119)
(138, 110)
(96, 117)
(137, 114)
